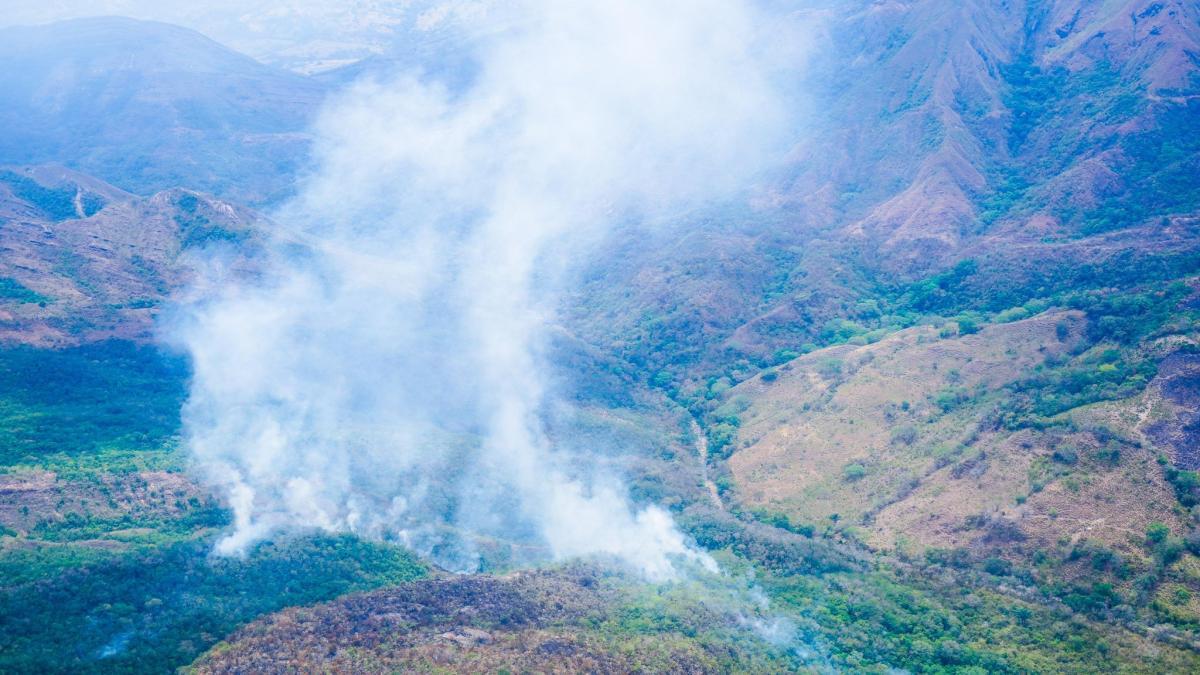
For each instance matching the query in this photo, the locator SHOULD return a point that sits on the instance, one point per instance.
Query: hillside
(913, 437)
(584, 619)
(150, 106)
(84, 261)
(575, 620)
(1044, 141)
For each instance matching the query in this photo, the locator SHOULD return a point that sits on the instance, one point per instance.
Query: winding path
(702, 452)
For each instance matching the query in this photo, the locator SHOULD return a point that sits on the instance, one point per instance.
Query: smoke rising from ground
(385, 375)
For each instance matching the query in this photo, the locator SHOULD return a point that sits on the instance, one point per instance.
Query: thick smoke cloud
(385, 374)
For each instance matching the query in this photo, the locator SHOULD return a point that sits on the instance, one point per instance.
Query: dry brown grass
(28, 498)
(959, 483)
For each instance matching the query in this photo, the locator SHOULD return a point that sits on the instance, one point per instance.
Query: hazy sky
(302, 34)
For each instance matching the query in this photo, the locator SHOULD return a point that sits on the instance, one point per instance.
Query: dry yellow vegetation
(899, 441)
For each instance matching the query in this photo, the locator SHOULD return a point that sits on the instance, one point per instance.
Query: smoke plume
(384, 374)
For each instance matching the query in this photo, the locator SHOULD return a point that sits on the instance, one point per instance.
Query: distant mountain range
(149, 106)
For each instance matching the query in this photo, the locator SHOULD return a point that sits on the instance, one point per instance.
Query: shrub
(1062, 330)
(950, 557)
(997, 567)
(906, 435)
(784, 355)
(950, 398)
(1186, 485)
(854, 472)
(1012, 314)
(720, 438)
(1156, 533)
(840, 330)
(830, 368)
(1065, 454)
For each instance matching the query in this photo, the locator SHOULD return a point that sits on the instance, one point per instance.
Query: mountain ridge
(151, 106)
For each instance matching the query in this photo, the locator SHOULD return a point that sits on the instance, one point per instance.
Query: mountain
(917, 439)
(934, 134)
(84, 261)
(304, 37)
(961, 327)
(150, 106)
(976, 102)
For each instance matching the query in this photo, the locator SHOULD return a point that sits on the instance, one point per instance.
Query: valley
(926, 392)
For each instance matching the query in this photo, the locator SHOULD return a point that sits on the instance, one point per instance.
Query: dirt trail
(702, 451)
(78, 204)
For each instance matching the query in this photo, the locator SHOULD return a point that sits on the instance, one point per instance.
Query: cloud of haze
(386, 373)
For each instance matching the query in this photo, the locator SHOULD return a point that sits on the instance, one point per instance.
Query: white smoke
(385, 375)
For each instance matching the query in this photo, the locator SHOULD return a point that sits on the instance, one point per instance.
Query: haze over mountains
(941, 354)
(306, 37)
(174, 109)
(939, 133)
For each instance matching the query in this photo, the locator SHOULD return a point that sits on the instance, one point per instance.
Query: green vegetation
(157, 608)
(57, 203)
(197, 229)
(11, 289)
(881, 621)
(1118, 371)
(61, 407)
(136, 591)
(1186, 484)
(1161, 173)
(946, 614)
(853, 472)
